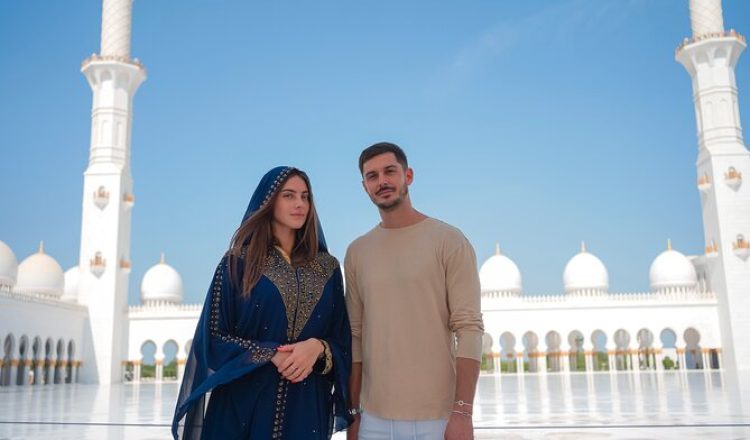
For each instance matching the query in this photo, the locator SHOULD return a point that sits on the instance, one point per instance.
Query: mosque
(75, 326)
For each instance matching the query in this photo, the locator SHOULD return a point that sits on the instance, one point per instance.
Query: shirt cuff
(469, 345)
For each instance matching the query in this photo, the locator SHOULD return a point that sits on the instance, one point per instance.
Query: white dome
(672, 270)
(585, 273)
(161, 283)
(500, 274)
(40, 273)
(71, 284)
(8, 266)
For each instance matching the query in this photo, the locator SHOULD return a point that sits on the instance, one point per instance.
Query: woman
(273, 343)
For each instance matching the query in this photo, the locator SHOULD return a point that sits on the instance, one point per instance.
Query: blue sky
(532, 124)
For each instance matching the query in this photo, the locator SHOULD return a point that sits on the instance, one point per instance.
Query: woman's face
(292, 204)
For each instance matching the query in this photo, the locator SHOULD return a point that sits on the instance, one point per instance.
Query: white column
(56, 371)
(137, 371)
(710, 58)
(611, 356)
(519, 357)
(38, 369)
(49, 378)
(496, 361)
(107, 196)
(27, 372)
(116, 18)
(633, 355)
(13, 372)
(720, 358)
(681, 358)
(589, 353)
(74, 374)
(658, 359)
(706, 17)
(541, 362)
(159, 369)
(706, 359)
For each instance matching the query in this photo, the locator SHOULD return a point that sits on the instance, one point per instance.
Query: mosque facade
(76, 326)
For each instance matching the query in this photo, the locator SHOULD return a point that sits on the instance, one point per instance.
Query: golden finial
(583, 246)
(669, 244)
(162, 260)
(497, 248)
(41, 247)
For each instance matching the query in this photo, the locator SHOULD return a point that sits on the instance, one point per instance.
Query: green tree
(668, 363)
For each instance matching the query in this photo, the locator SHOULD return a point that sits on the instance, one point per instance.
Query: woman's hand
(279, 357)
(300, 360)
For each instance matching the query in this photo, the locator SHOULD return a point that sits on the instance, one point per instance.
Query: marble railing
(163, 306)
(601, 299)
(695, 39)
(41, 298)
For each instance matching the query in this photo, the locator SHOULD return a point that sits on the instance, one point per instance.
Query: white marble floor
(630, 406)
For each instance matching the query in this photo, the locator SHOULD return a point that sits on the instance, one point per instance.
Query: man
(413, 299)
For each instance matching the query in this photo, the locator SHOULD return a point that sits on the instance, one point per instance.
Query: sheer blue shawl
(222, 352)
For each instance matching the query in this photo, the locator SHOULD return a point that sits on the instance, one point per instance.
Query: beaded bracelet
(463, 413)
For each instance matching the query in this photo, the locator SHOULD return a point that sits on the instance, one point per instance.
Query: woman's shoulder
(327, 261)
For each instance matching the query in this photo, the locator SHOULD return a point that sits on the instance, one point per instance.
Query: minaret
(710, 56)
(108, 196)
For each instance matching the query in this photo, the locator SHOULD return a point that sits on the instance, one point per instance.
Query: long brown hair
(254, 239)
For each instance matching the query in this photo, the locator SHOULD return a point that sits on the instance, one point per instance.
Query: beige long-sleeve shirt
(413, 299)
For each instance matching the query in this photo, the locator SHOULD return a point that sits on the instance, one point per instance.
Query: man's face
(386, 181)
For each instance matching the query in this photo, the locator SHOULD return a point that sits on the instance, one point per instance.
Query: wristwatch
(355, 411)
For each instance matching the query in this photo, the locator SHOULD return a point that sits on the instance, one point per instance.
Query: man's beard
(390, 205)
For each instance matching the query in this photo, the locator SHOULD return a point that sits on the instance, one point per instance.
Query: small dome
(8, 266)
(161, 283)
(585, 274)
(40, 273)
(499, 274)
(71, 284)
(672, 271)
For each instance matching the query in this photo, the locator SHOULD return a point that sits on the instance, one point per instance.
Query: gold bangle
(329, 357)
(322, 344)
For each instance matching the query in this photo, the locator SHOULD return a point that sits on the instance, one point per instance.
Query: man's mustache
(385, 188)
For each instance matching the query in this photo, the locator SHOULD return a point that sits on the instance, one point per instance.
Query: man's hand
(460, 427)
(352, 433)
(300, 360)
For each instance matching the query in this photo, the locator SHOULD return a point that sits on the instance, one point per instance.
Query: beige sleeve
(353, 306)
(464, 300)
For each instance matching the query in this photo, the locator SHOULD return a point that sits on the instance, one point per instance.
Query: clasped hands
(295, 361)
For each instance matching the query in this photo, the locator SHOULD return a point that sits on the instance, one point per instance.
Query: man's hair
(382, 148)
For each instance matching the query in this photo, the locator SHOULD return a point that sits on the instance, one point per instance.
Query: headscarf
(269, 185)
